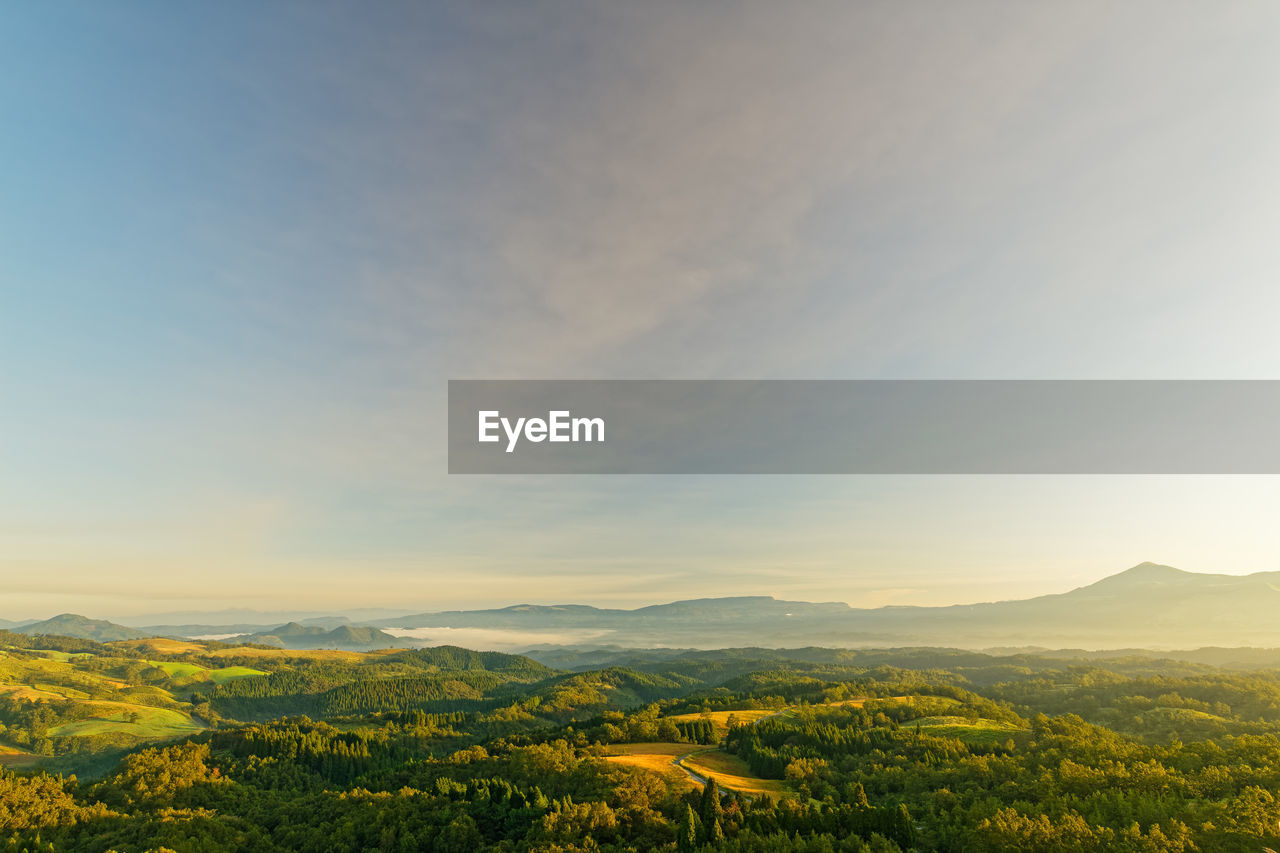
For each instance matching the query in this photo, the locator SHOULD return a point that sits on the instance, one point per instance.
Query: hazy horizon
(371, 614)
(245, 247)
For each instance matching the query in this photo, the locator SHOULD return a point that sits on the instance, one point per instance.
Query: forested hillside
(210, 747)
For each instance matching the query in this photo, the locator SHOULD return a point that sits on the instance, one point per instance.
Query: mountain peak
(1144, 575)
(1152, 570)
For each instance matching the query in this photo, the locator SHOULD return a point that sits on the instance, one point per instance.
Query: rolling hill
(73, 625)
(294, 635)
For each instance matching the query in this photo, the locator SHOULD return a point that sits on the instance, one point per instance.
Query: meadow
(141, 721)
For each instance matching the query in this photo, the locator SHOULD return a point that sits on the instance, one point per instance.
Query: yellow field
(22, 691)
(720, 719)
(163, 645)
(11, 756)
(655, 757)
(670, 750)
(729, 771)
(732, 772)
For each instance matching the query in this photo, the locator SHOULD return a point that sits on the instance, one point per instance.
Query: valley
(207, 746)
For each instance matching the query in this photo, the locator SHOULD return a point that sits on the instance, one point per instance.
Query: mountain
(294, 635)
(215, 630)
(209, 630)
(732, 611)
(73, 625)
(1149, 606)
(263, 618)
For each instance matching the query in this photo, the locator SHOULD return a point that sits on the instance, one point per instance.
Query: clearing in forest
(691, 764)
(733, 773)
(142, 721)
(657, 758)
(975, 731)
(720, 719)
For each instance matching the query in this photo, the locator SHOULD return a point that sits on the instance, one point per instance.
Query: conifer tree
(687, 837)
(710, 809)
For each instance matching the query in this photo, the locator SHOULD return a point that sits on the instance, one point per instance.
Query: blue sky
(242, 247)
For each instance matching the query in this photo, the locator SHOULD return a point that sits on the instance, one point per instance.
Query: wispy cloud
(251, 249)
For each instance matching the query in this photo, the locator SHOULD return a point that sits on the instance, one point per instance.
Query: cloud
(346, 208)
(494, 639)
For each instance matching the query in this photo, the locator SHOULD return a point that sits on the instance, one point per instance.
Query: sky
(243, 247)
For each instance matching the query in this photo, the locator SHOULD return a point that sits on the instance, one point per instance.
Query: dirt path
(696, 777)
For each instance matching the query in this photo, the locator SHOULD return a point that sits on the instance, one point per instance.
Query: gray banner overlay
(864, 427)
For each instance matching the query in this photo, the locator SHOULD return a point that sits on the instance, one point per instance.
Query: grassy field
(31, 694)
(221, 675)
(61, 690)
(729, 771)
(14, 758)
(161, 645)
(143, 721)
(147, 712)
(63, 657)
(175, 669)
(968, 730)
(655, 757)
(231, 673)
(720, 719)
(47, 674)
(732, 772)
(863, 700)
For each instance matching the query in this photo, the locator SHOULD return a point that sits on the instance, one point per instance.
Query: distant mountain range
(213, 628)
(291, 635)
(1148, 606)
(243, 616)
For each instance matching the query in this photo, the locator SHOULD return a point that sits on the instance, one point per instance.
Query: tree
(687, 837)
(709, 809)
(667, 730)
(460, 836)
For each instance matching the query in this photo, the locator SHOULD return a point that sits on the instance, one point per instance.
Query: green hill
(74, 625)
